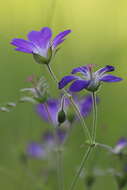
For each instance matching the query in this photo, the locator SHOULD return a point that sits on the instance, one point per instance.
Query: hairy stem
(86, 155)
(59, 162)
(94, 117)
(83, 162)
(85, 128)
(60, 170)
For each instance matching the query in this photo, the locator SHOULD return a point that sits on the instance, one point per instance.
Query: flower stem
(86, 130)
(83, 162)
(52, 73)
(60, 170)
(91, 146)
(59, 161)
(94, 117)
(48, 113)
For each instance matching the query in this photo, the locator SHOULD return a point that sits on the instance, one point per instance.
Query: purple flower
(121, 144)
(40, 44)
(90, 80)
(49, 110)
(35, 150)
(47, 145)
(85, 105)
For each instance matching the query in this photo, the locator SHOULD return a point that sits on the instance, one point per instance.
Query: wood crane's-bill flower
(40, 44)
(89, 80)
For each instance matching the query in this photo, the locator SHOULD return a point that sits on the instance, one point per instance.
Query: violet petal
(110, 78)
(78, 85)
(60, 38)
(83, 70)
(41, 38)
(65, 80)
(23, 45)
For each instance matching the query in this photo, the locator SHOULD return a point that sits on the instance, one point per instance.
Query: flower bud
(71, 117)
(89, 181)
(61, 116)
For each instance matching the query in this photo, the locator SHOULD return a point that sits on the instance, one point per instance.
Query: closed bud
(61, 116)
(71, 117)
(89, 181)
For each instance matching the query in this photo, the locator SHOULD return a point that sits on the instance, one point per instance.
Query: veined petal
(110, 78)
(78, 85)
(23, 45)
(41, 38)
(103, 70)
(23, 50)
(65, 80)
(83, 70)
(60, 38)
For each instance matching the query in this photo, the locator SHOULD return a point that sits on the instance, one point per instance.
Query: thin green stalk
(106, 147)
(48, 113)
(60, 170)
(52, 73)
(86, 156)
(59, 162)
(94, 117)
(86, 130)
(83, 162)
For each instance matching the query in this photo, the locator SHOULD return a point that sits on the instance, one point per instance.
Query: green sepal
(41, 59)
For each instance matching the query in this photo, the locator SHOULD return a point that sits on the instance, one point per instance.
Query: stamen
(90, 67)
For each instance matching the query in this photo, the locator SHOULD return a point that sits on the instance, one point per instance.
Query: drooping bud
(61, 114)
(89, 181)
(71, 116)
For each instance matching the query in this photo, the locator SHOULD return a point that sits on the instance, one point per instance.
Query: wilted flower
(90, 80)
(38, 93)
(40, 44)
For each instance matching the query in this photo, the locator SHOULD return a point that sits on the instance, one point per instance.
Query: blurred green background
(99, 36)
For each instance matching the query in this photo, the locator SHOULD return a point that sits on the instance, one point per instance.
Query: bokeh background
(99, 36)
